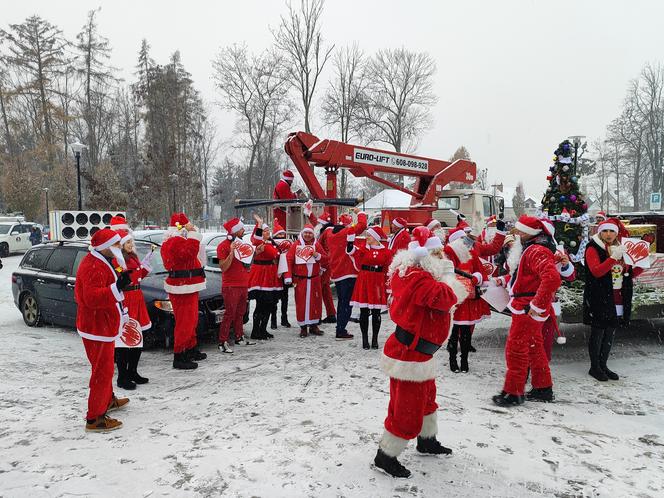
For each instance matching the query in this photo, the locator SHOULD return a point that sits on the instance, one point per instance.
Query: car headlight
(164, 306)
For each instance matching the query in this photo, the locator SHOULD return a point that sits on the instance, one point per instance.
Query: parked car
(43, 290)
(212, 240)
(15, 236)
(156, 236)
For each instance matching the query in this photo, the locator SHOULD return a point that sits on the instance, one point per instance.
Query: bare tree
(299, 39)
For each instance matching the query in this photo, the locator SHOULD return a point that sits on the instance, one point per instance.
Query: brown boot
(314, 330)
(103, 424)
(303, 332)
(117, 403)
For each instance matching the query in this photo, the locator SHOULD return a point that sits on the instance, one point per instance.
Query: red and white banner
(131, 336)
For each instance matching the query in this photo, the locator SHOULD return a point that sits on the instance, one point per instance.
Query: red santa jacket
(535, 282)
(307, 266)
(99, 315)
(486, 249)
(422, 304)
(263, 275)
(283, 191)
(333, 241)
(399, 241)
(181, 260)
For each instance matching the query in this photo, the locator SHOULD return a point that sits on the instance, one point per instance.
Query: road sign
(655, 201)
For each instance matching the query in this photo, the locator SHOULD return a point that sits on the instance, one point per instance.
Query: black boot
(134, 357)
(432, 446)
(264, 332)
(122, 361)
(330, 319)
(375, 328)
(605, 350)
(594, 350)
(195, 354)
(182, 362)
(452, 349)
(285, 322)
(390, 465)
(245, 318)
(364, 327)
(465, 348)
(508, 400)
(544, 394)
(256, 326)
(273, 321)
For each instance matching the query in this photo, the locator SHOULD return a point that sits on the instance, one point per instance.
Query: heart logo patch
(131, 333)
(637, 251)
(305, 252)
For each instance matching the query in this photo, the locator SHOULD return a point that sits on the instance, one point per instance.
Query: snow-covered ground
(302, 417)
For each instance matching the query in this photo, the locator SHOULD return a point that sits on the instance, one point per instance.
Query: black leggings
(599, 346)
(461, 335)
(375, 320)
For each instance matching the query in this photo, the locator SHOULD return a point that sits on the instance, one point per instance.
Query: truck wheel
(30, 311)
(4, 250)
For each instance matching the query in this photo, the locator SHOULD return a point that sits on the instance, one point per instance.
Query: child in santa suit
(283, 244)
(370, 293)
(184, 258)
(532, 287)
(282, 191)
(128, 346)
(265, 284)
(99, 320)
(460, 250)
(400, 236)
(424, 294)
(305, 260)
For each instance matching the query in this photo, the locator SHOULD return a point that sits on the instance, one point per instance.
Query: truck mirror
(501, 206)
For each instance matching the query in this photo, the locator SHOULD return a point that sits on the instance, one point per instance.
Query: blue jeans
(344, 293)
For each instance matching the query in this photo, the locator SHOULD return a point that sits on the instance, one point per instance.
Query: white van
(15, 237)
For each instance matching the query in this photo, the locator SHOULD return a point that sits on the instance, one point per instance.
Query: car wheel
(4, 250)
(30, 311)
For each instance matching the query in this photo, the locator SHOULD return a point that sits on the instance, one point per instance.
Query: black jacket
(599, 309)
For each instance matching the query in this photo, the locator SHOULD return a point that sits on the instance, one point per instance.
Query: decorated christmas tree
(564, 204)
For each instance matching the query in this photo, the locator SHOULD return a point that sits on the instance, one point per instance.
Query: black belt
(266, 262)
(198, 272)
(304, 276)
(524, 294)
(423, 346)
(133, 287)
(377, 269)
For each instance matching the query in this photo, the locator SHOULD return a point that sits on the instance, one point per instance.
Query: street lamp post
(45, 189)
(174, 179)
(77, 148)
(145, 213)
(577, 140)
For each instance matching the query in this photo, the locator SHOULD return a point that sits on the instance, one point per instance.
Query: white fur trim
(122, 226)
(607, 225)
(373, 233)
(535, 308)
(413, 371)
(146, 327)
(108, 243)
(392, 445)
(184, 289)
(429, 426)
(94, 337)
(350, 237)
(460, 249)
(561, 339)
(569, 269)
(417, 250)
(432, 224)
(478, 276)
(119, 296)
(288, 281)
(455, 236)
(526, 229)
(356, 304)
(345, 277)
(195, 235)
(397, 224)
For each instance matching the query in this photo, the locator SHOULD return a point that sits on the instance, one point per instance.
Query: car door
(55, 288)
(71, 306)
(17, 239)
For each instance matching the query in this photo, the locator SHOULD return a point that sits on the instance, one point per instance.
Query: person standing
(532, 287)
(234, 286)
(370, 292)
(324, 222)
(306, 258)
(99, 320)
(282, 192)
(283, 244)
(183, 258)
(425, 292)
(400, 236)
(607, 296)
(128, 347)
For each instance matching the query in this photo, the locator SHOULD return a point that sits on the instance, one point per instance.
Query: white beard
(489, 234)
(461, 250)
(514, 254)
(441, 234)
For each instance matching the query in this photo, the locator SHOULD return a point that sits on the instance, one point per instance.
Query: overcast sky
(514, 77)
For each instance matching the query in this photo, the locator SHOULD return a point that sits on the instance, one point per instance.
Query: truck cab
(476, 205)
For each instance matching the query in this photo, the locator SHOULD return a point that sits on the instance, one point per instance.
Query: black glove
(124, 281)
(0, 264)
(500, 225)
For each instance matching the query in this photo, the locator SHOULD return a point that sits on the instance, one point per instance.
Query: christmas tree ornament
(574, 179)
(553, 199)
(562, 198)
(549, 178)
(572, 243)
(572, 198)
(565, 168)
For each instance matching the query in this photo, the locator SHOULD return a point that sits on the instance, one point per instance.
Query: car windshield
(142, 248)
(4, 229)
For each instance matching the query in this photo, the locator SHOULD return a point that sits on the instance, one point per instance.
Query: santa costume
(265, 284)
(128, 346)
(282, 191)
(283, 244)
(183, 258)
(99, 320)
(424, 294)
(342, 271)
(436, 228)
(532, 287)
(305, 262)
(401, 237)
(370, 291)
(234, 286)
(322, 223)
(119, 223)
(460, 250)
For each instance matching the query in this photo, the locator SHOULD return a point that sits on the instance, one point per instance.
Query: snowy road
(302, 417)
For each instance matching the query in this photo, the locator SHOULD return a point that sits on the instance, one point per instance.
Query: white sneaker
(225, 348)
(243, 341)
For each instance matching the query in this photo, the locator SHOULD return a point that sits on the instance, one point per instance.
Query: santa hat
(287, 175)
(399, 222)
(119, 223)
(325, 218)
(547, 226)
(277, 229)
(179, 220)
(377, 233)
(103, 239)
(308, 228)
(432, 224)
(125, 236)
(345, 219)
(491, 219)
(461, 224)
(233, 226)
(423, 242)
(615, 225)
(601, 215)
(529, 224)
(455, 234)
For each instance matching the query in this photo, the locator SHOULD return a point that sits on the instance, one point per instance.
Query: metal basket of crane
(307, 151)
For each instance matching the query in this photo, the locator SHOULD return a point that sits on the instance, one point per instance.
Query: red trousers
(101, 357)
(328, 301)
(185, 309)
(525, 349)
(235, 304)
(410, 402)
(548, 332)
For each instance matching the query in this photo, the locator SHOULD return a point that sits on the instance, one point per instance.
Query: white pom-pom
(419, 252)
(561, 339)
